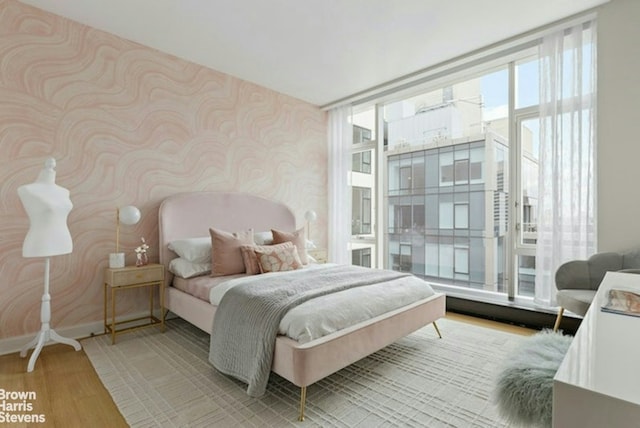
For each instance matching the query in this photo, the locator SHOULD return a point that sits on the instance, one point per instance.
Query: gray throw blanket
(247, 319)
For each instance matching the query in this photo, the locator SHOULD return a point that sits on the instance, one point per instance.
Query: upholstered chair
(577, 281)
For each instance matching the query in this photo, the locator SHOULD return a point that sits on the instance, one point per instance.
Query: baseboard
(81, 331)
(15, 344)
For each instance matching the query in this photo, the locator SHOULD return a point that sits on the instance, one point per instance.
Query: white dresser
(598, 383)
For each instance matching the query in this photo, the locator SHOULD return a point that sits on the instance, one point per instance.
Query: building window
(361, 207)
(461, 261)
(461, 216)
(402, 218)
(446, 212)
(402, 259)
(361, 162)
(361, 257)
(405, 178)
(461, 171)
(361, 134)
(446, 169)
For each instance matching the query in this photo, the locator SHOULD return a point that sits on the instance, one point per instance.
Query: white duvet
(327, 314)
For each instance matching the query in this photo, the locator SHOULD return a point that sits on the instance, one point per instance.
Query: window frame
(506, 58)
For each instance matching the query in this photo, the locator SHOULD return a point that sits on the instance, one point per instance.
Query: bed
(190, 215)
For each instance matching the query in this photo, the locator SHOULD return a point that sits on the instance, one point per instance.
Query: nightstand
(126, 278)
(319, 254)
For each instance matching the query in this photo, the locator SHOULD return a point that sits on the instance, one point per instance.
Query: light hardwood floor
(70, 394)
(509, 328)
(68, 390)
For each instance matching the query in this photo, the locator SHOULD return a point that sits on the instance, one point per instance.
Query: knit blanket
(246, 322)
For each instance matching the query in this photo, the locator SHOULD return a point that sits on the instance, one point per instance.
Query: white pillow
(196, 250)
(186, 269)
(263, 238)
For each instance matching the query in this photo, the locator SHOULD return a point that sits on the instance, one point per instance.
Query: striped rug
(165, 380)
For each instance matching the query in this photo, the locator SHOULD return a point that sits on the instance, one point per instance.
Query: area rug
(165, 380)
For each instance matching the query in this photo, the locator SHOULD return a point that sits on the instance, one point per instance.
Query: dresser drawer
(134, 275)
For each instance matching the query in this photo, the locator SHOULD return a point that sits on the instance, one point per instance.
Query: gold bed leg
(303, 398)
(437, 329)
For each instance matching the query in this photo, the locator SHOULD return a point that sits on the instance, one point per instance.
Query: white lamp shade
(126, 215)
(129, 215)
(310, 216)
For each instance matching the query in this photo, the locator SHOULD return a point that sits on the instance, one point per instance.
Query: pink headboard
(190, 215)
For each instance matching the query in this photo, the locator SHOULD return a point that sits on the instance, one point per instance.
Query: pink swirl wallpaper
(129, 125)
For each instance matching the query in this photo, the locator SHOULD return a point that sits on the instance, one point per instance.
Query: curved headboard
(190, 215)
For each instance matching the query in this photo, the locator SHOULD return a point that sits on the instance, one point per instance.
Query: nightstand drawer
(138, 275)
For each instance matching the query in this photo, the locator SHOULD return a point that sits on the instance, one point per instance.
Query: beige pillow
(279, 259)
(250, 257)
(297, 238)
(226, 256)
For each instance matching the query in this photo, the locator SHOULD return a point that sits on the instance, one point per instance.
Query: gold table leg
(106, 330)
(113, 315)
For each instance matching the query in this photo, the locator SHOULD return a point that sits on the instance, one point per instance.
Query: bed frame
(190, 215)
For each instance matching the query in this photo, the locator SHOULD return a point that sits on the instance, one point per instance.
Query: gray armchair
(577, 281)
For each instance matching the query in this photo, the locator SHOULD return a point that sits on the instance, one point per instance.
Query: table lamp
(310, 216)
(128, 215)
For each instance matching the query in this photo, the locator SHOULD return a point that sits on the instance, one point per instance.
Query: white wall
(619, 125)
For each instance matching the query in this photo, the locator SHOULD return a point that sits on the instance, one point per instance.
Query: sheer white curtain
(340, 138)
(567, 182)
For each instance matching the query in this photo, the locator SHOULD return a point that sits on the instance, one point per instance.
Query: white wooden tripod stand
(46, 333)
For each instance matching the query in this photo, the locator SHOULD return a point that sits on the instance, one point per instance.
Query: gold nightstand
(128, 277)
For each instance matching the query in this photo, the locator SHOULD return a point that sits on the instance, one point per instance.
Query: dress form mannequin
(47, 206)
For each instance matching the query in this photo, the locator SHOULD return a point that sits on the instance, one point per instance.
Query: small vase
(141, 259)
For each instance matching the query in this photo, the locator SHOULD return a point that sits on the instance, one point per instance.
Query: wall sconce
(310, 216)
(128, 215)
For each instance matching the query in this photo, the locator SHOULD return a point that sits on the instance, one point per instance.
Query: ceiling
(319, 51)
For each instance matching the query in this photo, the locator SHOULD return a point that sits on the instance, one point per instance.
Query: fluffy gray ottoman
(524, 390)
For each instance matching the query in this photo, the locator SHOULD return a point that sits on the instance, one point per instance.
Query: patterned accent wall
(129, 125)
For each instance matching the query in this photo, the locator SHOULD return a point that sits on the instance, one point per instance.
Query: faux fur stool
(524, 390)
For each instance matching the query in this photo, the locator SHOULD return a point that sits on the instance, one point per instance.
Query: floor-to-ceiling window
(453, 168)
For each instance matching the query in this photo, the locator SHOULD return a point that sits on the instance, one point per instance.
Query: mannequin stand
(46, 333)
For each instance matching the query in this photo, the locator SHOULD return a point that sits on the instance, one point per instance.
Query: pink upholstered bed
(190, 215)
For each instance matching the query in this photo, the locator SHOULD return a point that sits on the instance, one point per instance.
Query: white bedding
(333, 312)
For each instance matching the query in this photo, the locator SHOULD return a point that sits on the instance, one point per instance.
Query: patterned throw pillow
(251, 263)
(279, 259)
